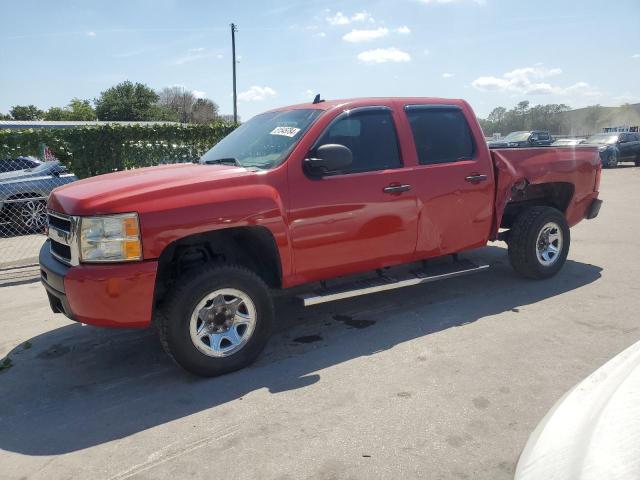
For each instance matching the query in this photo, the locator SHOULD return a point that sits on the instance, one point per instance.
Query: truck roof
(365, 101)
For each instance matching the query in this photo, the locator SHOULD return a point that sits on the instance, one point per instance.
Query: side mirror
(328, 158)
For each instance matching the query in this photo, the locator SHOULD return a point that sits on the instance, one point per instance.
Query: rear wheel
(216, 321)
(637, 160)
(539, 242)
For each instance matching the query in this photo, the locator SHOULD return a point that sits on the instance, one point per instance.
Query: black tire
(611, 160)
(523, 242)
(637, 162)
(174, 315)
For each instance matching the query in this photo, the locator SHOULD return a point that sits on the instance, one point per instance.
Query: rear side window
(371, 137)
(441, 134)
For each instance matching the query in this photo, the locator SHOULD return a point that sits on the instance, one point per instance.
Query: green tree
(80, 110)
(5, 116)
(26, 112)
(204, 111)
(55, 113)
(126, 101)
(497, 115)
(76, 110)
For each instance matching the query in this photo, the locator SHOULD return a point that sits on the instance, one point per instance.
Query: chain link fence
(26, 181)
(23, 213)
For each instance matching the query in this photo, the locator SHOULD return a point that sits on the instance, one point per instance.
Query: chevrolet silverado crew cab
(310, 195)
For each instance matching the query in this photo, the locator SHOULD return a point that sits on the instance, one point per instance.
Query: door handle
(396, 188)
(476, 178)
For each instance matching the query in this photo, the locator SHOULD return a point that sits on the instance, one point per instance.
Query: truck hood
(593, 432)
(137, 190)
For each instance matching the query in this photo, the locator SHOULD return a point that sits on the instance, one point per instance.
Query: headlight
(110, 238)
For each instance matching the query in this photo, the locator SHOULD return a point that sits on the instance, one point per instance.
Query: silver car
(24, 193)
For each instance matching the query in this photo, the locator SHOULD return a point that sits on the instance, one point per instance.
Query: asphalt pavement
(440, 381)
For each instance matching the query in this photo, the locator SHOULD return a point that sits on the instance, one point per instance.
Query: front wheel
(32, 215)
(539, 242)
(217, 320)
(611, 161)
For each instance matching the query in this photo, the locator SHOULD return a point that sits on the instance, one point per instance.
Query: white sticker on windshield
(285, 131)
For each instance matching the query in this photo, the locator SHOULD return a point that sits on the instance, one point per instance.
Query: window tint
(543, 136)
(441, 134)
(371, 137)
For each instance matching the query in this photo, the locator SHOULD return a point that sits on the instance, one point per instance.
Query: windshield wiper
(224, 161)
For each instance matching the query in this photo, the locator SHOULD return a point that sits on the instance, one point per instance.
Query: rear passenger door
(453, 181)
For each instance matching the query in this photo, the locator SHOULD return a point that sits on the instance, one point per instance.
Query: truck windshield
(517, 137)
(264, 141)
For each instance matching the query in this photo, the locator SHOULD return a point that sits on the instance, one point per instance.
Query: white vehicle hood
(593, 432)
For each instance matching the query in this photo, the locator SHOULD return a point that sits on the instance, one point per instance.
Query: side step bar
(384, 282)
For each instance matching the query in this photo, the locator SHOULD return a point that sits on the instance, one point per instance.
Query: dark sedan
(528, 138)
(20, 163)
(617, 147)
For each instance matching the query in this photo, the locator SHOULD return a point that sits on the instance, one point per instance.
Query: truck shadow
(79, 386)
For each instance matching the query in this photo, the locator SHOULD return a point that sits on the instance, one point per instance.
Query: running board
(384, 282)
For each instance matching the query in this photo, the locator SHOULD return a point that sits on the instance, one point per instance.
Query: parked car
(299, 195)
(20, 163)
(593, 431)
(23, 194)
(532, 138)
(568, 142)
(617, 147)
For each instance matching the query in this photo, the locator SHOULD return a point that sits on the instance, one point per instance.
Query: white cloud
(198, 93)
(256, 94)
(356, 36)
(426, 51)
(91, 34)
(403, 30)
(635, 55)
(308, 93)
(362, 16)
(383, 55)
(219, 56)
(195, 50)
(528, 81)
(320, 34)
(340, 18)
(448, 75)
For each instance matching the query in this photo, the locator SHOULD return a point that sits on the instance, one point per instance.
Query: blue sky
(490, 52)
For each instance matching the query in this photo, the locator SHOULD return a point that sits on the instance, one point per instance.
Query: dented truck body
(410, 190)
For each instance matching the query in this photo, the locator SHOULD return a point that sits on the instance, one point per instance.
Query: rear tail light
(596, 187)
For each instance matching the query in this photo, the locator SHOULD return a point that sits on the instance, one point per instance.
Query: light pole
(234, 29)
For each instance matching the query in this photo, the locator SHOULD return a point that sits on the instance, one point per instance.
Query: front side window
(264, 141)
(441, 134)
(371, 137)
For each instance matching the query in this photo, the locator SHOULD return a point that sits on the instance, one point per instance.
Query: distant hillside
(585, 121)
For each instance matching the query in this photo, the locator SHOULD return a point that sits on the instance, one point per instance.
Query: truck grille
(62, 232)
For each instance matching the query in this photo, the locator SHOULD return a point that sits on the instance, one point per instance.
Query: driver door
(361, 218)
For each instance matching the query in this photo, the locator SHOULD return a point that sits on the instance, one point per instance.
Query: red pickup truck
(303, 195)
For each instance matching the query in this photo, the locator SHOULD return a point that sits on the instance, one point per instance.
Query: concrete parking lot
(440, 381)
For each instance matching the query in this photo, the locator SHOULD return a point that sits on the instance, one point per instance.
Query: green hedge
(93, 150)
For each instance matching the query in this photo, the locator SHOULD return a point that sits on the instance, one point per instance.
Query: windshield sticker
(285, 131)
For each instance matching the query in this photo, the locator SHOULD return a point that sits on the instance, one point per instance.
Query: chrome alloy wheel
(549, 244)
(223, 322)
(33, 214)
